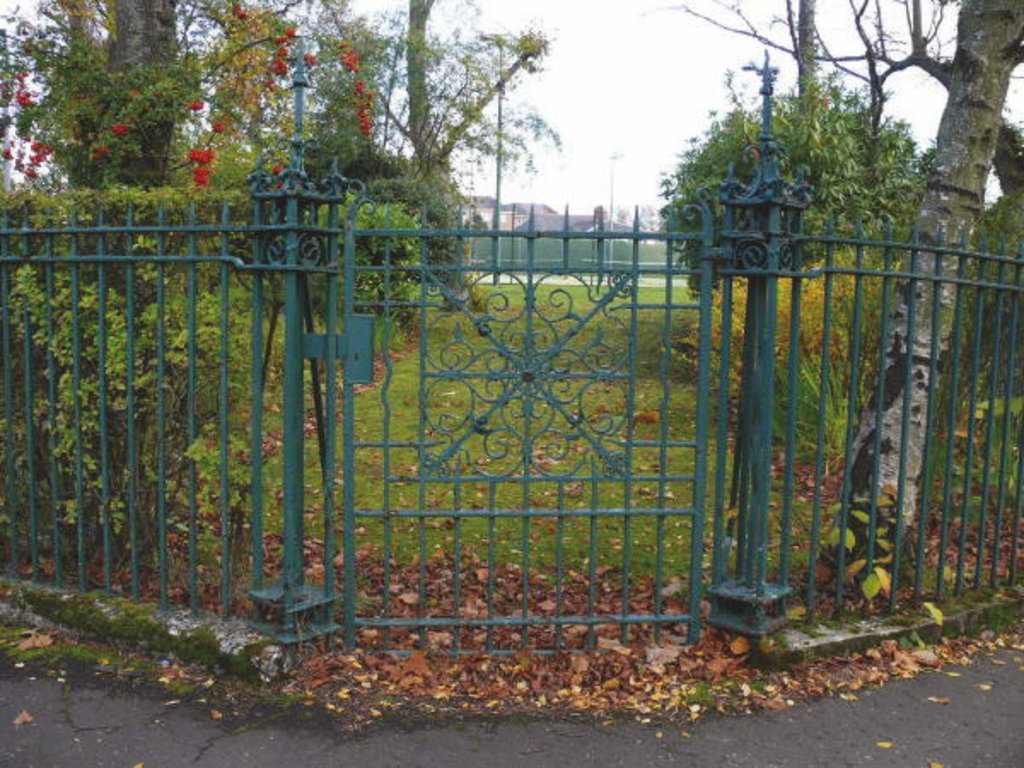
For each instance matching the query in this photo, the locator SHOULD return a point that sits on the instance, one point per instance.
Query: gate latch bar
(354, 346)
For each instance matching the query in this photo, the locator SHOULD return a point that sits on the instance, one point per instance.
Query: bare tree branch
(747, 30)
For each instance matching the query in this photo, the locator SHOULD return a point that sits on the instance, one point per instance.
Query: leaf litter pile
(663, 683)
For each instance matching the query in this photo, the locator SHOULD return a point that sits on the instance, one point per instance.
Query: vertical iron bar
(947, 487)
(792, 385)
(51, 415)
(101, 341)
(256, 414)
(193, 423)
(1011, 368)
(76, 388)
(908, 380)
(993, 385)
(824, 391)
(161, 417)
(876, 451)
(10, 506)
(30, 436)
(965, 503)
(349, 431)
(851, 417)
(224, 404)
(702, 427)
(331, 393)
(133, 461)
(930, 420)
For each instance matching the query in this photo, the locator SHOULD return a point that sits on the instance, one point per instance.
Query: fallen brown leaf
(579, 664)
(24, 718)
(35, 640)
(740, 645)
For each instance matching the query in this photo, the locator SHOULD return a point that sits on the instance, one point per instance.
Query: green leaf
(864, 517)
(851, 540)
(870, 586)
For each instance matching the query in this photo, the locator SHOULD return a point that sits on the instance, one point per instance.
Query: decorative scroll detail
(524, 375)
(750, 253)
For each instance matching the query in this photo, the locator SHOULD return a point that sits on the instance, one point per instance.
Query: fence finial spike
(300, 82)
(768, 74)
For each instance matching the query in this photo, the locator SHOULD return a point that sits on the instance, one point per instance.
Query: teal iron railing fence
(475, 439)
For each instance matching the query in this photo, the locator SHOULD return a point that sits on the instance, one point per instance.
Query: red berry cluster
(201, 171)
(364, 98)
(29, 156)
(18, 91)
(280, 64)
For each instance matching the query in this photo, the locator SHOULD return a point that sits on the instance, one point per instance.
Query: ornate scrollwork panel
(512, 370)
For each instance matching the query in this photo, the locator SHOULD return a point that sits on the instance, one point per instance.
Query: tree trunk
(416, 65)
(989, 46)
(145, 36)
(806, 50)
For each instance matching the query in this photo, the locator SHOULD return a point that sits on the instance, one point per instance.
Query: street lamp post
(499, 40)
(611, 202)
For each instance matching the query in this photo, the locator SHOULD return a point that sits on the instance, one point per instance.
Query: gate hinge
(354, 348)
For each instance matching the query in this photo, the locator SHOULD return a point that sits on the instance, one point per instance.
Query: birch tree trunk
(990, 44)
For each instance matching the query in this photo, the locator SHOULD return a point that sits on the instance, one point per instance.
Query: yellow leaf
(885, 744)
(985, 686)
(933, 764)
(884, 580)
(855, 567)
(935, 613)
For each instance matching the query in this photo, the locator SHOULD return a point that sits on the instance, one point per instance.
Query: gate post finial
(300, 83)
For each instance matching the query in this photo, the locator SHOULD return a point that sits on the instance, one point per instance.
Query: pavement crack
(208, 745)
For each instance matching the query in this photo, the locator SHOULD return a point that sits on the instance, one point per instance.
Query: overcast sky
(634, 78)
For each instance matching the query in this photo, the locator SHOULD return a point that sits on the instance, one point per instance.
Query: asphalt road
(88, 720)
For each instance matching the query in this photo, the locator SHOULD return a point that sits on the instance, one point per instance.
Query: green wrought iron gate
(532, 469)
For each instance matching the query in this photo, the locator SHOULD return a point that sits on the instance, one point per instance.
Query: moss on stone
(122, 622)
